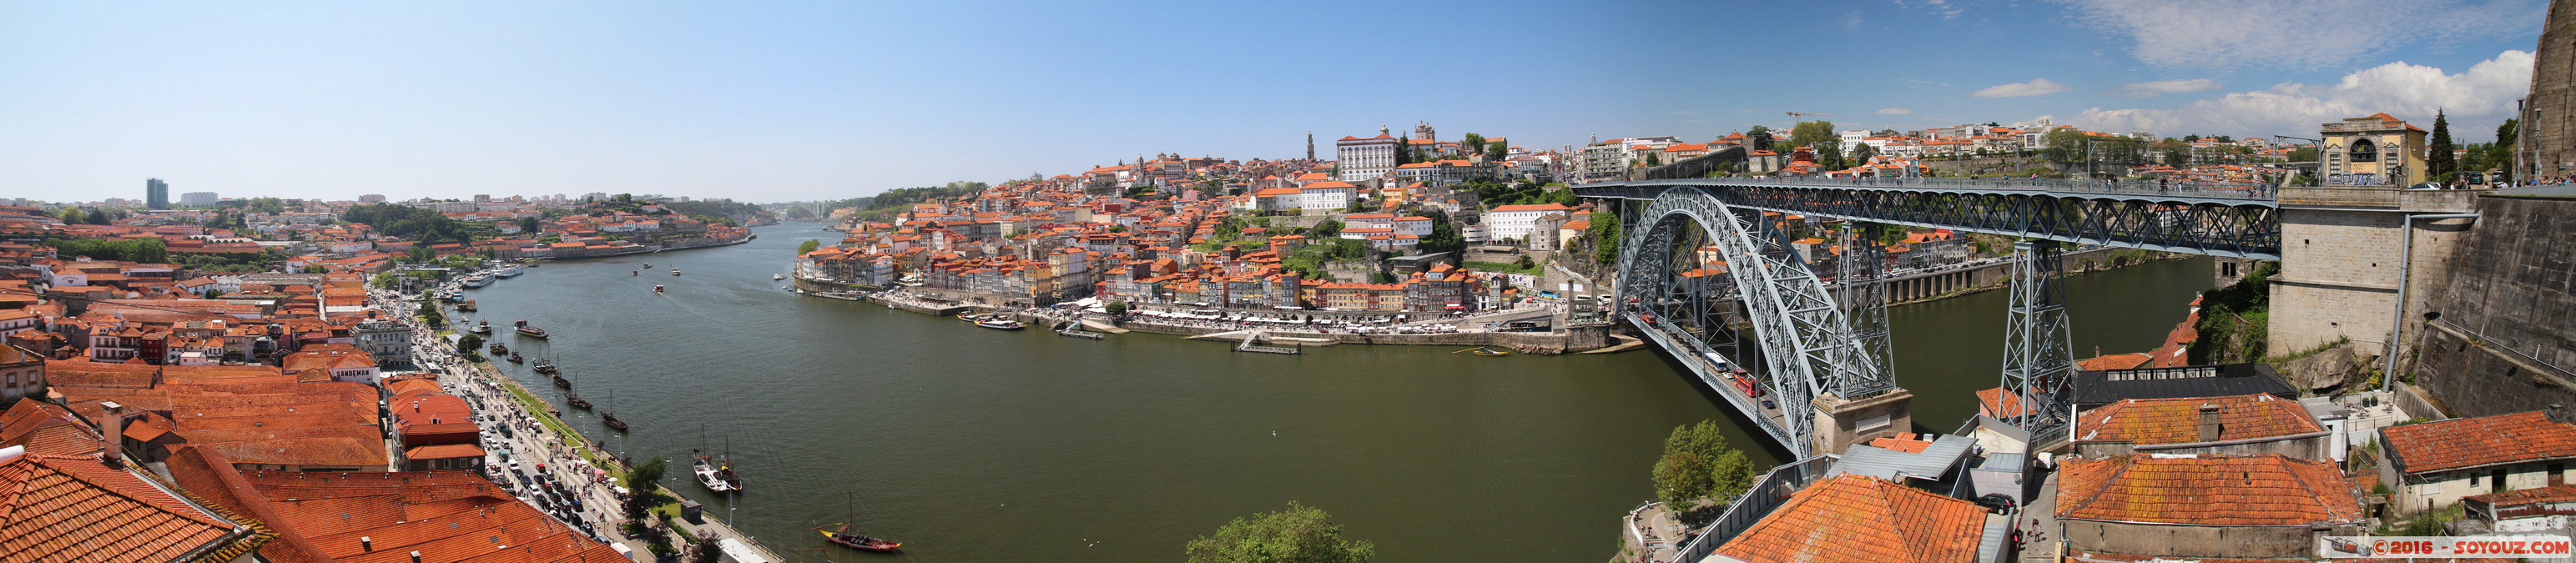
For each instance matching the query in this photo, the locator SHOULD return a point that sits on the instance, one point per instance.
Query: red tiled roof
(2266, 490)
(1862, 519)
(76, 508)
(2552, 493)
(1999, 403)
(2177, 421)
(445, 515)
(2474, 442)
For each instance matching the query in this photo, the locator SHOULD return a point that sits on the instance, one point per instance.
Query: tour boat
(842, 536)
(675, 271)
(510, 271)
(483, 327)
(709, 475)
(530, 331)
(1000, 324)
(478, 280)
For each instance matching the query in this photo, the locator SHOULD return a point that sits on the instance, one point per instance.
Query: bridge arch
(1803, 345)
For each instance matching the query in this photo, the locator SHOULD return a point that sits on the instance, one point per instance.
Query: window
(2364, 150)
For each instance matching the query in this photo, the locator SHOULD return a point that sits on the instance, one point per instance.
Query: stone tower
(1422, 130)
(2549, 114)
(1310, 145)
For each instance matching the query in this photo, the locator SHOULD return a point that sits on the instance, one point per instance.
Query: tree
(1496, 151)
(1681, 479)
(1471, 143)
(1524, 263)
(1327, 228)
(73, 216)
(705, 551)
(316, 269)
(530, 226)
(98, 217)
(1759, 136)
(1605, 236)
(2438, 163)
(808, 247)
(1730, 475)
(1115, 307)
(1300, 534)
(1815, 134)
(470, 343)
(1861, 154)
(1403, 150)
(1653, 161)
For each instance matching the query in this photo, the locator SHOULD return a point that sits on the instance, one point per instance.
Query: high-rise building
(156, 193)
(371, 198)
(197, 199)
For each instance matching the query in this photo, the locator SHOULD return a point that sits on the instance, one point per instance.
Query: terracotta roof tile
(2177, 421)
(2473, 442)
(1856, 518)
(2267, 490)
(75, 508)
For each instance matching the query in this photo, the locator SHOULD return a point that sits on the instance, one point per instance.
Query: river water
(971, 444)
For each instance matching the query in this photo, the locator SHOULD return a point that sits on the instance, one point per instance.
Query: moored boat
(610, 418)
(576, 401)
(515, 359)
(499, 348)
(478, 280)
(842, 536)
(708, 474)
(468, 305)
(561, 382)
(510, 271)
(544, 366)
(483, 327)
(528, 330)
(1000, 324)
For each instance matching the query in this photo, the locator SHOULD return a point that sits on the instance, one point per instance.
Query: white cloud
(2035, 87)
(1940, 7)
(2162, 87)
(1895, 111)
(2224, 34)
(2476, 100)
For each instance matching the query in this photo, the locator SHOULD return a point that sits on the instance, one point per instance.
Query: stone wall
(2340, 255)
(2548, 134)
(2234, 542)
(2499, 334)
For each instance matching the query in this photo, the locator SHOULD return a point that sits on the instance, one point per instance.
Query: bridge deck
(2216, 219)
(1719, 379)
(2178, 192)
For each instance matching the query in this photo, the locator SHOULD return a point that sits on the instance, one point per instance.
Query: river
(971, 444)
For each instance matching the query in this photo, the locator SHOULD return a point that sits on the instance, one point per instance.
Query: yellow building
(2374, 150)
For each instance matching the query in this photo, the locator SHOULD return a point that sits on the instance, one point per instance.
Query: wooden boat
(610, 418)
(576, 401)
(468, 305)
(564, 383)
(842, 536)
(544, 366)
(704, 468)
(499, 348)
(515, 359)
(530, 331)
(1491, 352)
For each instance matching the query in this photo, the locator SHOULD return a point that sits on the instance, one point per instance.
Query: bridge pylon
(2039, 353)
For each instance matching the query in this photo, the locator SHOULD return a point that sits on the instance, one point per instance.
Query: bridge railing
(2205, 190)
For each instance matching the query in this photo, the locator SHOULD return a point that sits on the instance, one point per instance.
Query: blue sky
(790, 101)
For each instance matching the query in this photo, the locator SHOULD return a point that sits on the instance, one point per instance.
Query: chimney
(2209, 423)
(415, 556)
(366, 544)
(113, 425)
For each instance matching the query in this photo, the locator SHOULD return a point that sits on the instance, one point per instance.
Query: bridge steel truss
(2195, 222)
(1804, 343)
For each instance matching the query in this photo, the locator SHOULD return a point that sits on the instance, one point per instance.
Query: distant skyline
(824, 100)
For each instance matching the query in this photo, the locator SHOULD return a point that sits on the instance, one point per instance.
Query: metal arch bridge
(1686, 289)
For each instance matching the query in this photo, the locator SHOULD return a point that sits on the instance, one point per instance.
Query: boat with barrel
(544, 366)
(499, 348)
(468, 305)
(841, 535)
(610, 418)
(576, 401)
(531, 331)
(515, 359)
(704, 466)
